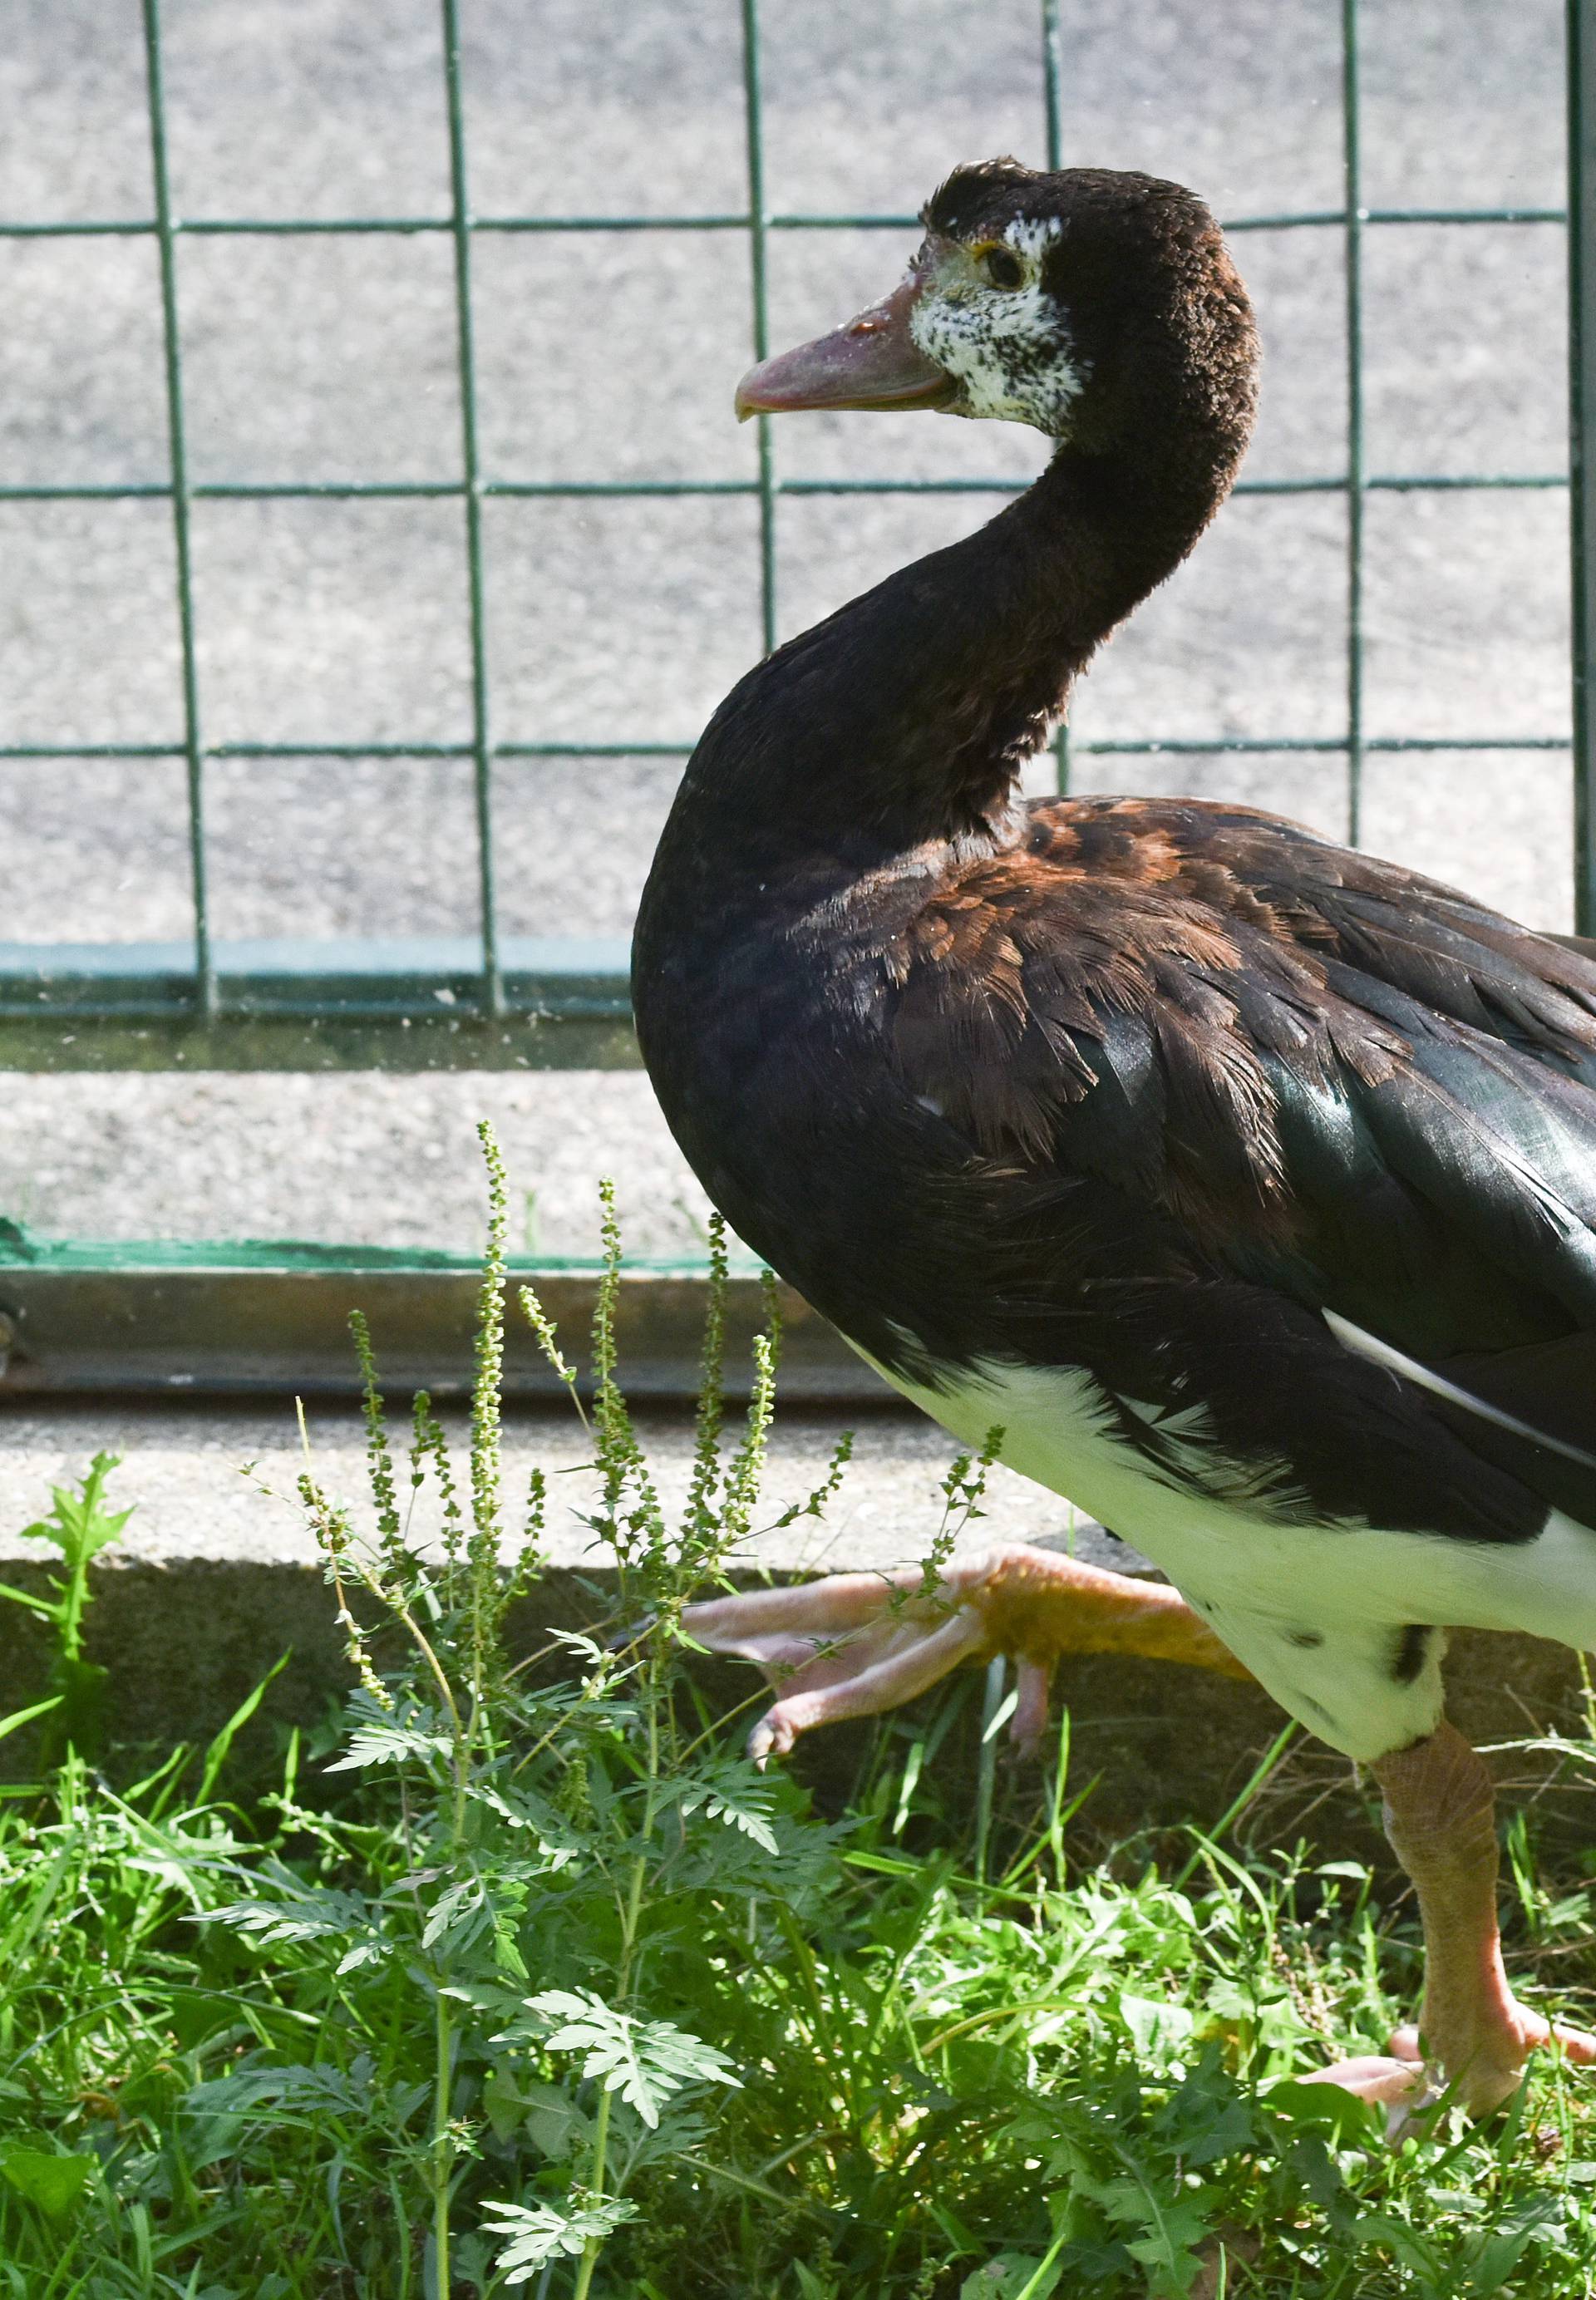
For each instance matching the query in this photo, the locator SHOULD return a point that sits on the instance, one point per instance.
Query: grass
(522, 1980)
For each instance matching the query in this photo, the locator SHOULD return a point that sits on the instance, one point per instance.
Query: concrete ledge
(274, 1318)
(218, 1578)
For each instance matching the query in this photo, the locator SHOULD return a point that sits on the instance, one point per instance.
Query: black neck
(907, 716)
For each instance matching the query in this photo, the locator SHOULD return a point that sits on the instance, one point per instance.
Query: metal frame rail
(1580, 67)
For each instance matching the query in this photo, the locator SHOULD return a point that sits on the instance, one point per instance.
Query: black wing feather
(1311, 1078)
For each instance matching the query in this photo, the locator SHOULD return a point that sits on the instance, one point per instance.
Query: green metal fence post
(758, 230)
(481, 739)
(205, 973)
(1352, 244)
(1581, 446)
(1053, 81)
(1053, 99)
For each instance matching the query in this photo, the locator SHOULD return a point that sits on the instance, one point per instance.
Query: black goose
(1248, 1183)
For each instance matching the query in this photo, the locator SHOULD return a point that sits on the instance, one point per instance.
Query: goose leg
(1441, 1818)
(860, 1643)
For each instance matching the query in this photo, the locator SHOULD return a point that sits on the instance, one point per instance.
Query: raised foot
(1483, 2068)
(857, 1644)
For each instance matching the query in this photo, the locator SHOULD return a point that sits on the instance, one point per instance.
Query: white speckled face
(986, 318)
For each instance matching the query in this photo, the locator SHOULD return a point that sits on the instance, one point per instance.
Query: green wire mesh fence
(509, 1001)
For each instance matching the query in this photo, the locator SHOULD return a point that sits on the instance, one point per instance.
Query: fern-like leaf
(539, 2233)
(644, 2060)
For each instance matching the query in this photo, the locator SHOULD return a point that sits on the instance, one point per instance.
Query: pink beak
(871, 361)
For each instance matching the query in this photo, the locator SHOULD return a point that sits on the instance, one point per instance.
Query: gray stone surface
(607, 356)
(218, 1574)
(217, 1578)
(216, 1484)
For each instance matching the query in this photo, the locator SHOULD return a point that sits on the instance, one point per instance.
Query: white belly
(1317, 1612)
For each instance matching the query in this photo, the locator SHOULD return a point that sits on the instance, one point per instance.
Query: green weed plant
(525, 1981)
(71, 1715)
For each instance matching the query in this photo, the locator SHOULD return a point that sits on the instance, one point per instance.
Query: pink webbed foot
(1482, 2066)
(849, 1646)
(1477, 2038)
(857, 1644)
(1396, 2080)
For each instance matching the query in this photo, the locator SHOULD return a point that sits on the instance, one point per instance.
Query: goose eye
(1004, 269)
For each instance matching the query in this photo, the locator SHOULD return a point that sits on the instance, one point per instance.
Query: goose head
(1094, 306)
